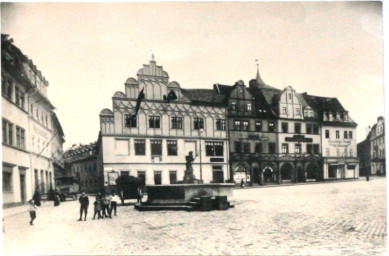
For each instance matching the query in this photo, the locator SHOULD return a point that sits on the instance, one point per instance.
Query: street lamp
(201, 167)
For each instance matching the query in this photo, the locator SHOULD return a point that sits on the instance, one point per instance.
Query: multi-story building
(171, 122)
(27, 127)
(377, 147)
(81, 163)
(338, 138)
(363, 148)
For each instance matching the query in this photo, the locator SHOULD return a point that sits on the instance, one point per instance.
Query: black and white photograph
(193, 128)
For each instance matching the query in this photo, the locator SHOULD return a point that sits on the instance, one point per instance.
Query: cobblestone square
(345, 218)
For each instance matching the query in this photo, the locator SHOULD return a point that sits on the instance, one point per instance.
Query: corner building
(153, 146)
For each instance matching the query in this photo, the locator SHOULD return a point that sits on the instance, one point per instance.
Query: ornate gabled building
(155, 141)
(338, 138)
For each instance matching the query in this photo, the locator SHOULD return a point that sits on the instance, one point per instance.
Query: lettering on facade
(40, 132)
(339, 143)
(216, 160)
(255, 137)
(298, 138)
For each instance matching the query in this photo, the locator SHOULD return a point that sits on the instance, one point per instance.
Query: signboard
(216, 160)
(112, 176)
(298, 138)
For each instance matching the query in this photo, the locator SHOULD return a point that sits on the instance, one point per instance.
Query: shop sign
(298, 138)
(112, 176)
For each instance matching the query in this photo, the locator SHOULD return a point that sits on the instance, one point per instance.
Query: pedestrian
(97, 208)
(56, 199)
(108, 204)
(114, 200)
(139, 194)
(37, 198)
(104, 204)
(84, 204)
(32, 210)
(242, 183)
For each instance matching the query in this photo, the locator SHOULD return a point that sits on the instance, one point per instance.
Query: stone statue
(189, 177)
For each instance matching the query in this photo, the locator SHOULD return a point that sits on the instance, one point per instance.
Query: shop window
(157, 177)
(140, 147)
(172, 147)
(142, 177)
(332, 171)
(217, 174)
(214, 148)
(173, 177)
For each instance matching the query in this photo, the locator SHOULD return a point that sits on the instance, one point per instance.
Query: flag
(171, 96)
(141, 96)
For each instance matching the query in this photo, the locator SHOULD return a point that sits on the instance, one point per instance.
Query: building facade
(27, 128)
(154, 144)
(81, 163)
(377, 147)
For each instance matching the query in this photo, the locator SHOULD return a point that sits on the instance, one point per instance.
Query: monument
(189, 177)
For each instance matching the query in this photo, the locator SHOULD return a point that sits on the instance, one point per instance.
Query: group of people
(104, 205)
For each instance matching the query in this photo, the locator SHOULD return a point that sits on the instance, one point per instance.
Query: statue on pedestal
(189, 178)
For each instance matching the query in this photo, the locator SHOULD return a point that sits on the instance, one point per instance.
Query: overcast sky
(87, 50)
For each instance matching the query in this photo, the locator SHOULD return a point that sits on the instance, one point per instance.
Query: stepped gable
(203, 96)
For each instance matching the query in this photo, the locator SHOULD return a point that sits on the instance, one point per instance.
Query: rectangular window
(9, 89)
(316, 149)
(4, 127)
(156, 147)
(298, 112)
(245, 126)
(337, 134)
(233, 106)
(297, 128)
(297, 148)
(284, 127)
(176, 122)
(309, 128)
(142, 177)
(154, 122)
(258, 126)
(285, 148)
(17, 95)
(122, 147)
(284, 112)
(258, 148)
(327, 134)
(237, 125)
(350, 134)
(140, 147)
(7, 179)
(238, 147)
(220, 124)
(157, 177)
(246, 147)
(272, 147)
(172, 147)
(345, 135)
(309, 148)
(271, 127)
(214, 148)
(315, 129)
(125, 173)
(249, 107)
(217, 174)
(130, 121)
(198, 123)
(173, 177)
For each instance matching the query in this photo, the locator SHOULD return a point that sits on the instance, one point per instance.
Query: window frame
(171, 150)
(176, 122)
(138, 141)
(198, 123)
(154, 142)
(155, 122)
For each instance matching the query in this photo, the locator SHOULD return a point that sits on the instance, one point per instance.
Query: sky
(87, 51)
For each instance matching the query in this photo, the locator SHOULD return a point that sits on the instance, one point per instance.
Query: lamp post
(201, 167)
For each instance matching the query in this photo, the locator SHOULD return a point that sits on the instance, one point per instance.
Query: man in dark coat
(84, 203)
(37, 198)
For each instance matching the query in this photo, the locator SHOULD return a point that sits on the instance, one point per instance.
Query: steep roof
(203, 96)
(321, 104)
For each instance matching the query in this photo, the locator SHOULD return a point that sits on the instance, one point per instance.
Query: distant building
(364, 156)
(81, 163)
(377, 147)
(32, 134)
(171, 122)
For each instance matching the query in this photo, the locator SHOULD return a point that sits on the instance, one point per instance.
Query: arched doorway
(268, 174)
(312, 171)
(286, 171)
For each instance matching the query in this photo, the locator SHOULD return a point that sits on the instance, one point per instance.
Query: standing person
(97, 207)
(242, 183)
(32, 210)
(37, 198)
(114, 200)
(84, 204)
(108, 204)
(104, 203)
(139, 194)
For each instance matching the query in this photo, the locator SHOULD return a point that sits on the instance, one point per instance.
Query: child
(32, 211)
(97, 208)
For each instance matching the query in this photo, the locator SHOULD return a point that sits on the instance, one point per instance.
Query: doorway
(23, 188)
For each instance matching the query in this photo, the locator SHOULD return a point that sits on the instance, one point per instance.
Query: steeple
(259, 79)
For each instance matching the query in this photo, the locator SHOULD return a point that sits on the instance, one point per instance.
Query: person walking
(108, 199)
(32, 210)
(139, 194)
(97, 208)
(114, 200)
(37, 198)
(84, 204)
